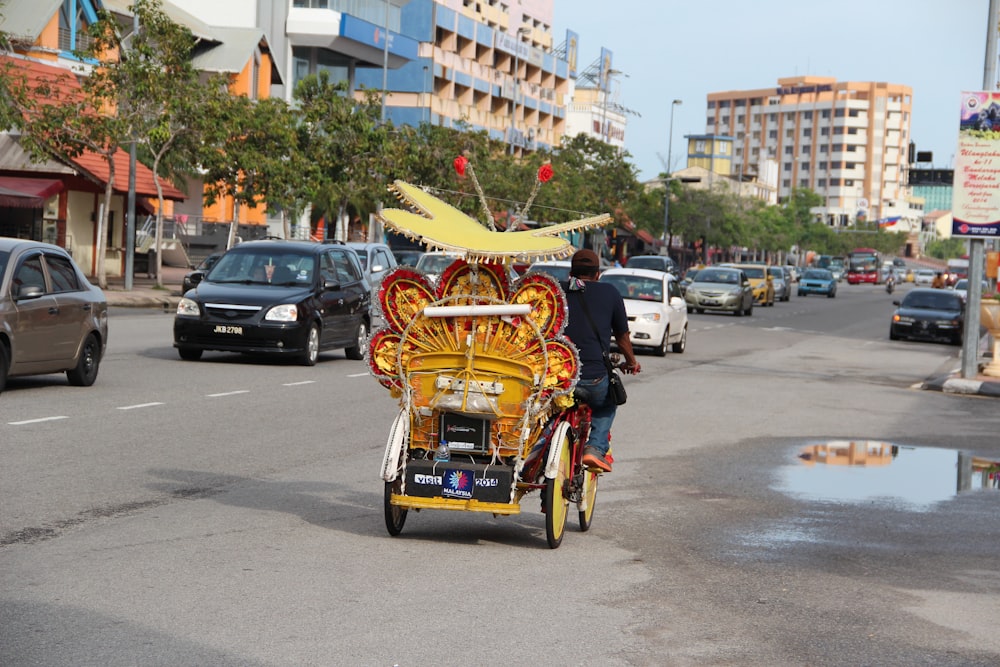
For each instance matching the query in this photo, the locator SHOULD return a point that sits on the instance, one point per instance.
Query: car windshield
(777, 272)
(263, 266)
(638, 288)
(718, 276)
(557, 272)
(936, 300)
(655, 263)
(692, 274)
(4, 257)
(817, 274)
(754, 272)
(435, 264)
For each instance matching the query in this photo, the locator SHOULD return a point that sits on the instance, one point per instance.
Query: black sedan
(286, 298)
(194, 277)
(929, 314)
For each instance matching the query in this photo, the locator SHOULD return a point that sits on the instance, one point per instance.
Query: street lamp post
(517, 83)
(666, 182)
(385, 60)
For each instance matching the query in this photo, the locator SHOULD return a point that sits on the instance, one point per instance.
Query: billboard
(976, 198)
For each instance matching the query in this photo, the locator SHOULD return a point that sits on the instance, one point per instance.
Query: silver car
(52, 320)
(720, 288)
(781, 280)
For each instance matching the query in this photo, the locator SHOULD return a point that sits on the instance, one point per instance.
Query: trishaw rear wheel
(395, 516)
(556, 503)
(590, 498)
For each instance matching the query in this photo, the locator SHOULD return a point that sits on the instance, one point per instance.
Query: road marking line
(140, 405)
(358, 375)
(36, 421)
(295, 384)
(229, 393)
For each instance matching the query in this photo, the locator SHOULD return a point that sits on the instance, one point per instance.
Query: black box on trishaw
(466, 434)
(488, 483)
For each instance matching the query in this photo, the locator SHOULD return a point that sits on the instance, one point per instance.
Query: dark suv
(293, 298)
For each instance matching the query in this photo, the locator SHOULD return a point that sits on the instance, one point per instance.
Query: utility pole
(130, 201)
(666, 182)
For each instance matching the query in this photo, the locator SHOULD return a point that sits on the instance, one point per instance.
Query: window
(821, 183)
(29, 274)
(64, 278)
(825, 113)
(789, 150)
(699, 146)
(787, 166)
(805, 149)
(807, 115)
(772, 134)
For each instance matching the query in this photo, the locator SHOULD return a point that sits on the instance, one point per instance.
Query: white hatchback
(657, 312)
(923, 277)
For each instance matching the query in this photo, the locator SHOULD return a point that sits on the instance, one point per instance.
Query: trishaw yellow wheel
(589, 497)
(556, 503)
(395, 516)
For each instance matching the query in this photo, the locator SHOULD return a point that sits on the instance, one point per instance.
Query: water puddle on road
(867, 471)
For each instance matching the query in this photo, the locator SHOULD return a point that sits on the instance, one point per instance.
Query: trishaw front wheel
(556, 503)
(589, 499)
(395, 516)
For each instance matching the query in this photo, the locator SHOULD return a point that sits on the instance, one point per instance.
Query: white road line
(296, 384)
(36, 421)
(359, 375)
(140, 405)
(229, 393)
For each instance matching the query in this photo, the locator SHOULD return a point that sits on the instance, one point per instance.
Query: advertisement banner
(976, 198)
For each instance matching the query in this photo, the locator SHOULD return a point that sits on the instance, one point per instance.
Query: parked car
(761, 280)
(688, 278)
(961, 288)
(406, 256)
(657, 313)
(287, 298)
(192, 278)
(376, 261)
(923, 277)
(655, 262)
(720, 288)
(926, 313)
(818, 281)
(433, 264)
(52, 319)
(781, 281)
(558, 269)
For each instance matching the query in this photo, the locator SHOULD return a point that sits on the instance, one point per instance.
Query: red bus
(864, 265)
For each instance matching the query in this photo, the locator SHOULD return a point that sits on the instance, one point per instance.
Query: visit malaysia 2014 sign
(976, 197)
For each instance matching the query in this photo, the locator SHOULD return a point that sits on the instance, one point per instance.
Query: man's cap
(585, 259)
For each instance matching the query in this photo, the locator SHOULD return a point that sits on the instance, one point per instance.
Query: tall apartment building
(483, 64)
(845, 140)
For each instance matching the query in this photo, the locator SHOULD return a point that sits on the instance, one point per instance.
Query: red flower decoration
(545, 173)
(460, 163)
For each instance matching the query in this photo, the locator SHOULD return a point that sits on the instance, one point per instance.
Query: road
(229, 512)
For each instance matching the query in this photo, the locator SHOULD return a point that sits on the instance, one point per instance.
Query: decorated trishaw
(481, 369)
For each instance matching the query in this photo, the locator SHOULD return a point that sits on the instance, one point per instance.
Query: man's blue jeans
(594, 392)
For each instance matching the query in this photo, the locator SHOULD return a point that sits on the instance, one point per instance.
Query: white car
(558, 269)
(433, 264)
(962, 288)
(657, 313)
(923, 277)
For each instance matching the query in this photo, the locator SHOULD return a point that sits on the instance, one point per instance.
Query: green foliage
(946, 248)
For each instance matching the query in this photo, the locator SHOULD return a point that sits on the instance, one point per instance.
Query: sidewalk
(144, 293)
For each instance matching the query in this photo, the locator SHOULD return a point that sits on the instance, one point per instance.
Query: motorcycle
(890, 284)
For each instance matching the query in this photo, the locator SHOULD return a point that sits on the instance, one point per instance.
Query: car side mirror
(29, 292)
(895, 303)
(195, 277)
(677, 302)
(331, 285)
(377, 268)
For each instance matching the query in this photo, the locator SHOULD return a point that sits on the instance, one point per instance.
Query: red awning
(21, 192)
(645, 236)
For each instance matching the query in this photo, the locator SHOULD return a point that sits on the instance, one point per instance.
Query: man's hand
(632, 367)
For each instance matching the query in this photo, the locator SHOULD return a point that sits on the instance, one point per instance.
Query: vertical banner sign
(976, 199)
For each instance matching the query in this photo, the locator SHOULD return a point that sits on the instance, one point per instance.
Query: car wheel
(801, 293)
(85, 372)
(311, 354)
(661, 349)
(750, 310)
(831, 295)
(4, 367)
(700, 311)
(189, 353)
(357, 351)
(680, 345)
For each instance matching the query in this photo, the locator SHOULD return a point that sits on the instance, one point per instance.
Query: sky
(668, 49)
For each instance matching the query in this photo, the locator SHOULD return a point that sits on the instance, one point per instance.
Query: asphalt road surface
(229, 512)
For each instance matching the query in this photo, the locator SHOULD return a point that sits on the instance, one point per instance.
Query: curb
(957, 385)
